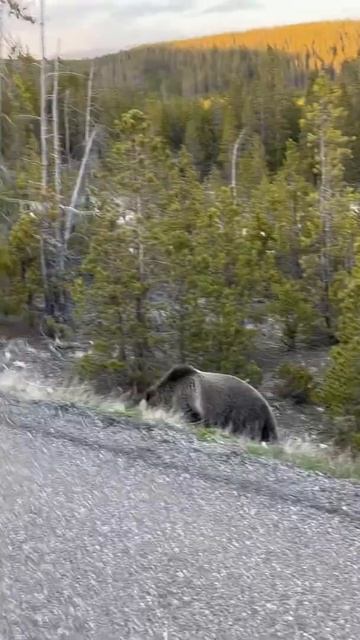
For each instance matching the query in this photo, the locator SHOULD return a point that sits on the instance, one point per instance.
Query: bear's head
(156, 396)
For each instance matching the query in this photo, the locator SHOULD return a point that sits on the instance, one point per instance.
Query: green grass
(210, 434)
(336, 464)
(123, 413)
(329, 462)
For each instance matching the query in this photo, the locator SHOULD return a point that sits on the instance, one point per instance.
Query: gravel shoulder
(111, 528)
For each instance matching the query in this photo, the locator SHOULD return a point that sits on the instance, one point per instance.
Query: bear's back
(226, 383)
(229, 402)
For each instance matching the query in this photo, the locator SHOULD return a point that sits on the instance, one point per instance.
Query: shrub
(294, 312)
(341, 388)
(105, 373)
(346, 433)
(54, 329)
(253, 374)
(297, 383)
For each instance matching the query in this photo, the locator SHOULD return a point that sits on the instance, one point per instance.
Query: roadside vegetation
(166, 214)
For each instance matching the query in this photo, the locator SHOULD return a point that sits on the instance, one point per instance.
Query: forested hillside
(208, 64)
(167, 204)
(315, 43)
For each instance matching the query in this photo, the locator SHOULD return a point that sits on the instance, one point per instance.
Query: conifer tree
(201, 138)
(121, 260)
(322, 127)
(341, 390)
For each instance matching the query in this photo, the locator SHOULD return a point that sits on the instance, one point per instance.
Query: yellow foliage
(206, 103)
(329, 42)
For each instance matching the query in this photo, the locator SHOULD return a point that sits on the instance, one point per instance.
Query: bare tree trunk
(297, 271)
(56, 142)
(88, 107)
(67, 127)
(43, 115)
(57, 168)
(70, 210)
(2, 19)
(88, 103)
(75, 195)
(235, 153)
(44, 160)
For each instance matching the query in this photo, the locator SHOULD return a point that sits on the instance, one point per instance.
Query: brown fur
(215, 399)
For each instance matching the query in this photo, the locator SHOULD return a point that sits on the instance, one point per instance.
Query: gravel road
(110, 530)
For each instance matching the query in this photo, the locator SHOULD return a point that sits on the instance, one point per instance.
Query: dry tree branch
(17, 10)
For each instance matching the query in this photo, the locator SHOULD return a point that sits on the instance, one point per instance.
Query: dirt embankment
(34, 366)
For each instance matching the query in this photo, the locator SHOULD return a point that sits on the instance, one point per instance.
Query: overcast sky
(100, 26)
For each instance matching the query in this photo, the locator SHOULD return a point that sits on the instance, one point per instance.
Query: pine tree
(201, 138)
(289, 200)
(227, 280)
(177, 246)
(269, 108)
(341, 390)
(322, 127)
(251, 168)
(122, 257)
(24, 275)
(213, 268)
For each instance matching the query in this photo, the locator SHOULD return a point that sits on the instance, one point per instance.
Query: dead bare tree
(57, 167)
(2, 18)
(89, 103)
(70, 210)
(55, 123)
(67, 126)
(17, 10)
(234, 158)
(43, 94)
(44, 156)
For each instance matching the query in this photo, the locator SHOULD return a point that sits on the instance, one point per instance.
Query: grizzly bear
(215, 399)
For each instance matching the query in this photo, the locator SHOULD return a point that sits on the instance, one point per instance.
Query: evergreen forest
(165, 203)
